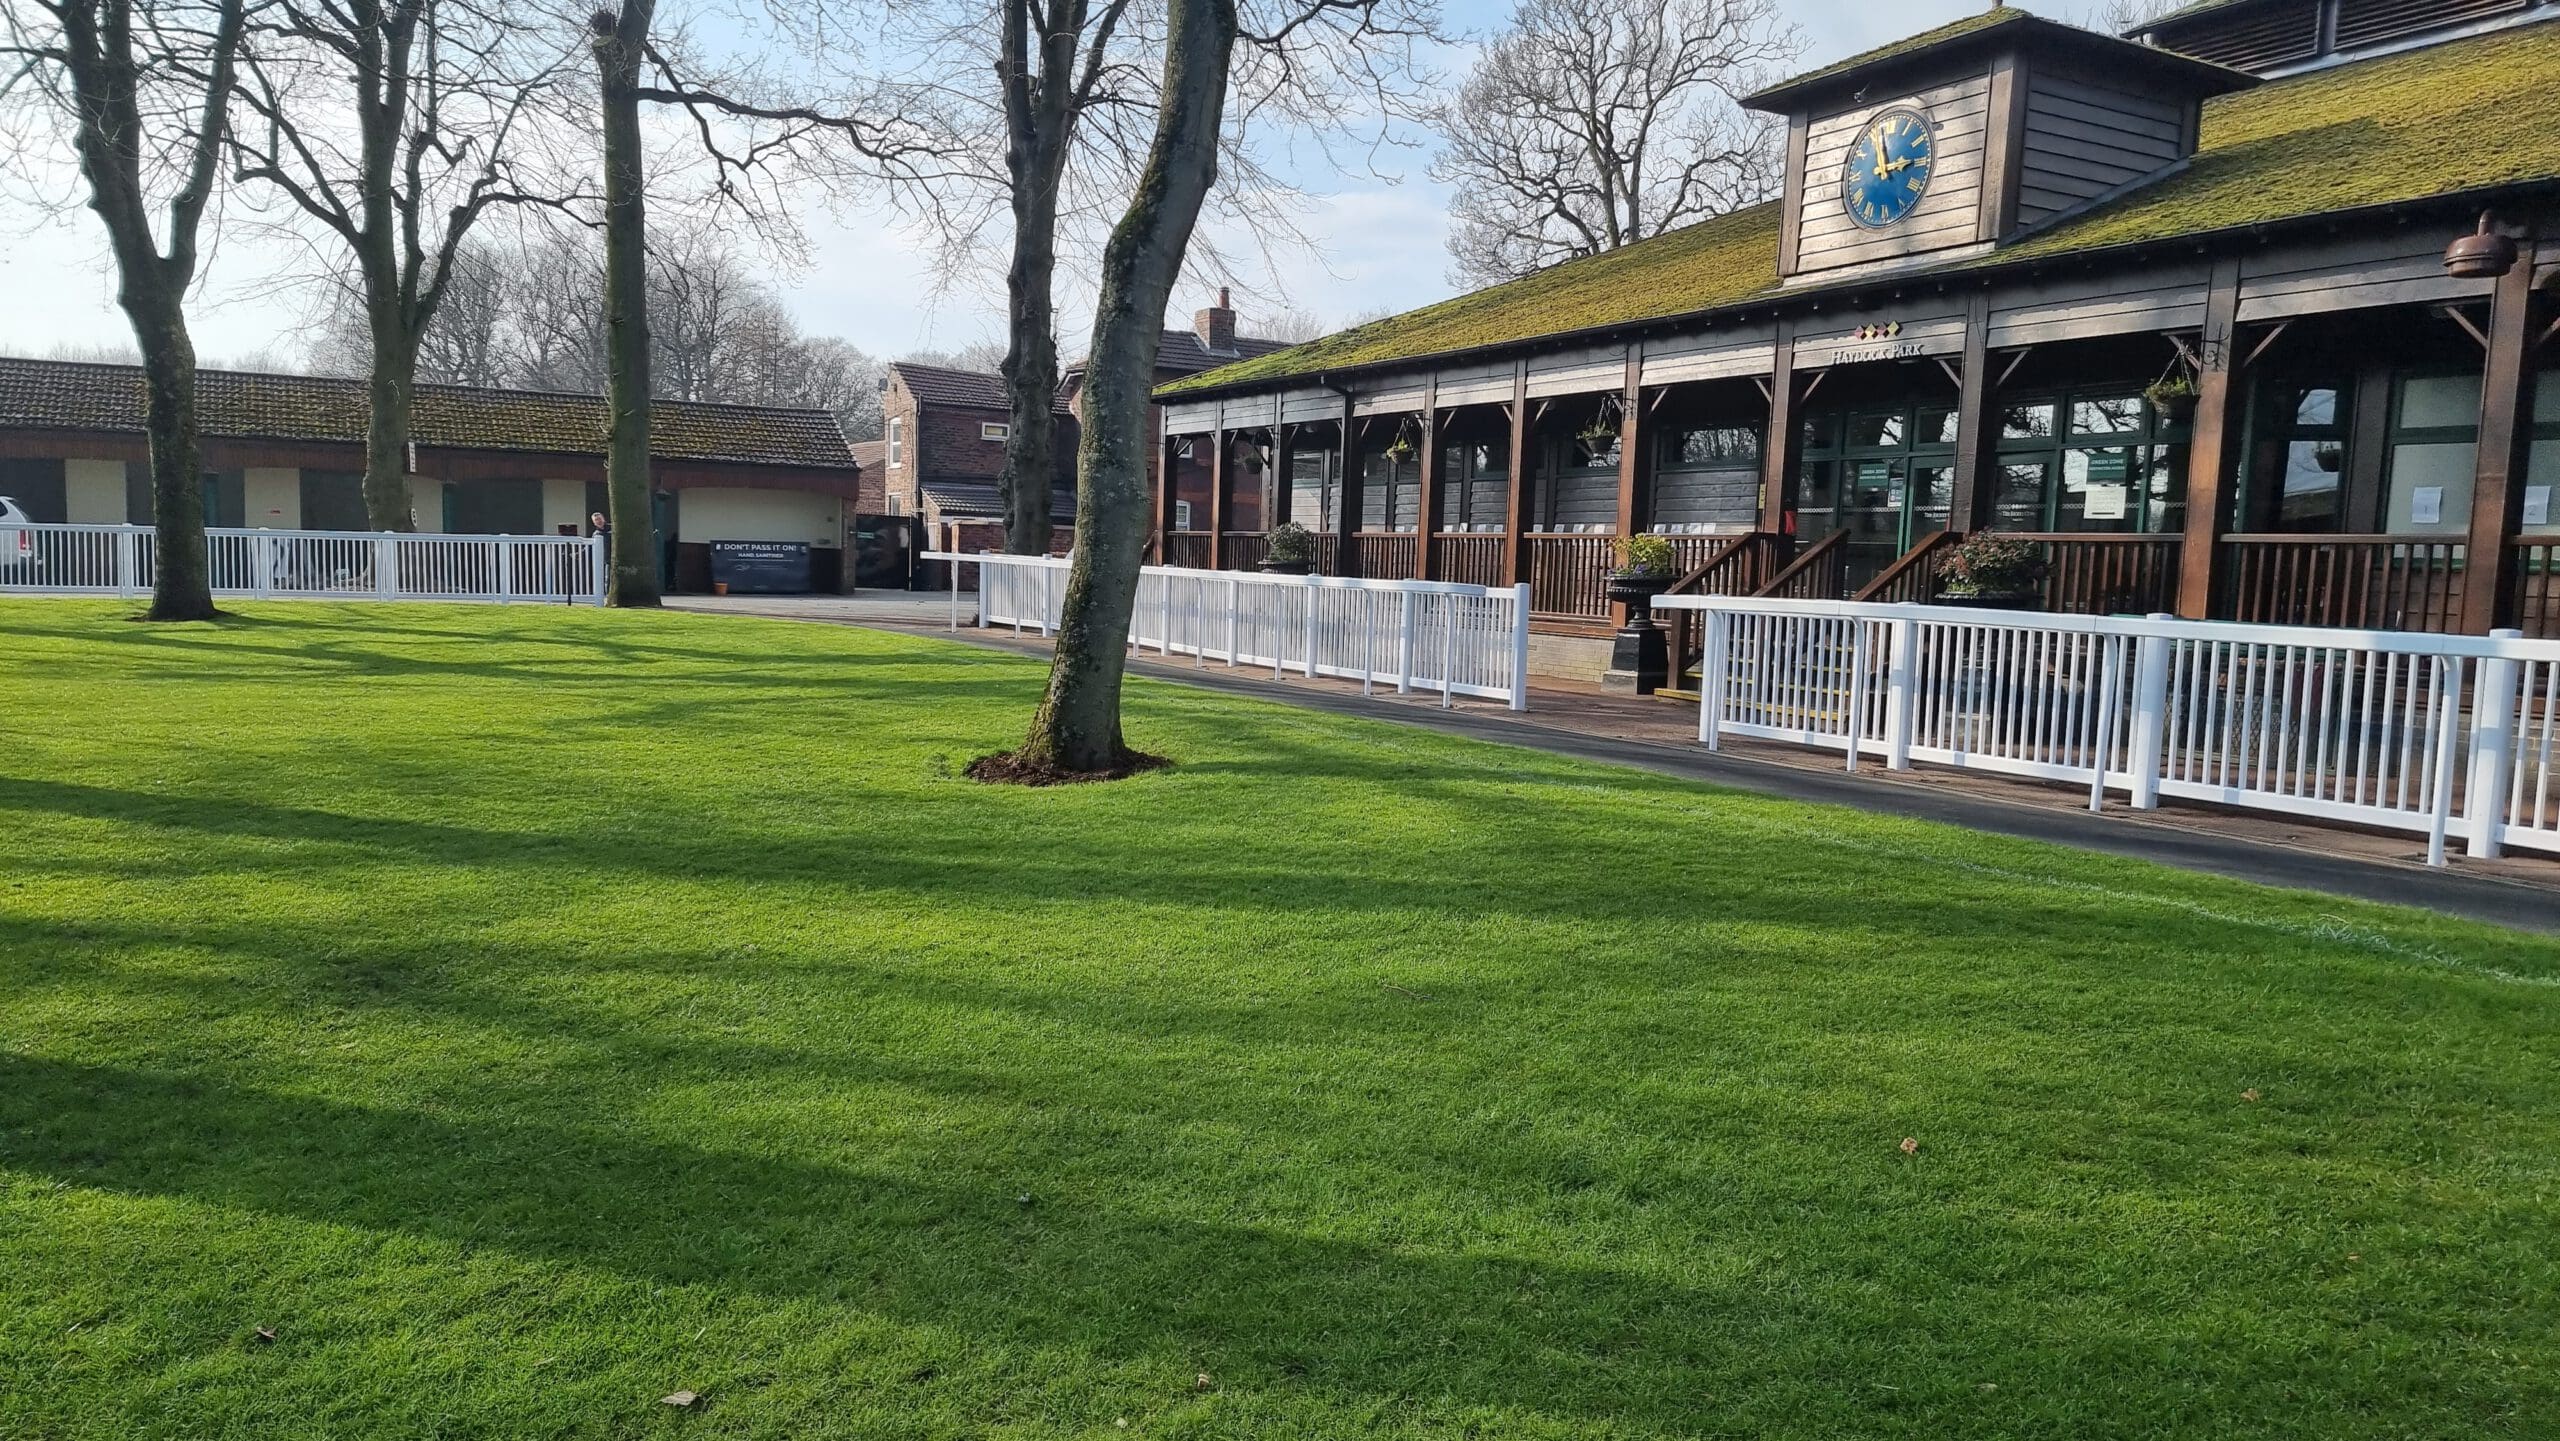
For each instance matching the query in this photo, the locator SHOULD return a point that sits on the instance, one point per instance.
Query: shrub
(1989, 563)
(1644, 555)
(1291, 544)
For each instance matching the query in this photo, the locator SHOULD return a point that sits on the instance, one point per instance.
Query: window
(1182, 515)
(2309, 430)
(897, 443)
(2089, 462)
(1707, 481)
(1884, 476)
(2435, 450)
(995, 430)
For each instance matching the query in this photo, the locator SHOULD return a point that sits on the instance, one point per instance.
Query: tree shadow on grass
(1786, 1339)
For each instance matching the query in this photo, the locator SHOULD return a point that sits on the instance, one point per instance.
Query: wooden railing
(2110, 574)
(1386, 554)
(2370, 582)
(1912, 579)
(1820, 573)
(2535, 601)
(1723, 565)
(1467, 558)
(1188, 549)
(1243, 549)
(1569, 575)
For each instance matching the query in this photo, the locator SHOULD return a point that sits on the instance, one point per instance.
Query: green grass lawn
(525, 1014)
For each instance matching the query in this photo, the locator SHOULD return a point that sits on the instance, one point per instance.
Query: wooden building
(286, 452)
(2248, 316)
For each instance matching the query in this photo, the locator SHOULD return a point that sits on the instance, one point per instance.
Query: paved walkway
(1661, 736)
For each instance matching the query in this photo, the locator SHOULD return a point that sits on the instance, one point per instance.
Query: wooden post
(1282, 494)
(1976, 418)
(1218, 497)
(1426, 513)
(1780, 456)
(1166, 459)
(2211, 449)
(2516, 317)
(1346, 539)
(1516, 502)
(1635, 468)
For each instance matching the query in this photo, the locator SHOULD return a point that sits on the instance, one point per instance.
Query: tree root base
(1010, 768)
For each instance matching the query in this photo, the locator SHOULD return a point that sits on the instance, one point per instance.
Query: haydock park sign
(1872, 342)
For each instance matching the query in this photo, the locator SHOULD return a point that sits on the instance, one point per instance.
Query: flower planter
(1286, 567)
(2020, 600)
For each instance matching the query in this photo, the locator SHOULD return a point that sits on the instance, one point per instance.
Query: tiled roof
(2462, 118)
(980, 497)
(235, 405)
(1184, 353)
(940, 385)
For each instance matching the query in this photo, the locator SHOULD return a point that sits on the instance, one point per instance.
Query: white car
(17, 546)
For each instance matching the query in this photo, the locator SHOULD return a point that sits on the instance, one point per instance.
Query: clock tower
(1975, 135)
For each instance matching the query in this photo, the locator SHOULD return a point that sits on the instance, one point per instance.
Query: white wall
(271, 499)
(564, 502)
(93, 492)
(707, 513)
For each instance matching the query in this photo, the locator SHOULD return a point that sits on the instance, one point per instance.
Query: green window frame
(2096, 459)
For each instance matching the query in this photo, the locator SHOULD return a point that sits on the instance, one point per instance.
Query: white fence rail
(118, 560)
(2441, 735)
(1425, 636)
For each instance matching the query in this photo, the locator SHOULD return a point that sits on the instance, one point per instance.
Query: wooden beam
(1284, 479)
(2469, 326)
(1218, 498)
(2017, 358)
(1517, 502)
(1426, 523)
(2213, 446)
(1635, 468)
(2004, 150)
(2517, 311)
(2368, 448)
(1977, 426)
(1167, 453)
(1346, 546)
(2265, 343)
(1779, 453)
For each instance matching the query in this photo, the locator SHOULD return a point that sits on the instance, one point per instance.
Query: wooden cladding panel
(2084, 139)
(2249, 39)
(1948, 215)
(2372, 22)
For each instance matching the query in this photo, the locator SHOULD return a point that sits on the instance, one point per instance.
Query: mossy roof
(1902, 49)
(2467, 116)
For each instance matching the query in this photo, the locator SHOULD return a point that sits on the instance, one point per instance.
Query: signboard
(2426, 505)
(762, 567)
(2537, 505)
(2104, 502)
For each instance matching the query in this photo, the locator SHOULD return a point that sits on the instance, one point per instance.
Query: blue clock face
(1888, 169)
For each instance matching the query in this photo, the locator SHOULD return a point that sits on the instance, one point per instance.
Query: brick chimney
(1216, 326)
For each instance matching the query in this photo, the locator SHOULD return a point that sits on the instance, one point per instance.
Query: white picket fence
(1457, 640)
(117, 560)
(2439, 735)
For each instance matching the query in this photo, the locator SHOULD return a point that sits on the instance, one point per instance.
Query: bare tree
(395, 126)
(1293, 325)
(2117, 16)
(621, 45)
(142, 88)
(1591, 124)
(464, 343)
(1077, 728)
(1215, 60)
(984, 357)
(1061, 138)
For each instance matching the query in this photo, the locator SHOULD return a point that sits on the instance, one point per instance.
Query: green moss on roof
(1714, 262)
(1955, 30)
(2469, 115)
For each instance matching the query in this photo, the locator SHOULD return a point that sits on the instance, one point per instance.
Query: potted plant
(1601, 431)
(1401, 448)
(2173, 395)
(1291, 550)
(1991, 571)
(1646, 566)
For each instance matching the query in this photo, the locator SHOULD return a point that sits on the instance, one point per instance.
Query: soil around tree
(1009, 768)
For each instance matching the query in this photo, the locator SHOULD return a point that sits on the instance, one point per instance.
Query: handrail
(1903, 564)
(1819, 551)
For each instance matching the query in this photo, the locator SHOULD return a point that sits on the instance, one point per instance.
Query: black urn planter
(2177, 409)
(1286, 567)
(1636, 593)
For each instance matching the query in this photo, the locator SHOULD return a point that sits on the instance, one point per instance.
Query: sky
(1381, 245)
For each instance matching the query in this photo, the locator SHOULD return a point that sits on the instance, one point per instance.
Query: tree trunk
(181, 588)
(1077, 728)
(619, 48)
(391, 401)
(1031, 367)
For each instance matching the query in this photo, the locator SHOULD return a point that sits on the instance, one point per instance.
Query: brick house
(1210, 343)
(942, 455)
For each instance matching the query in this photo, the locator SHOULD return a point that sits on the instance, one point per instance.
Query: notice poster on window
(2426, 505)
(2537, 505)
(2105, 502)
